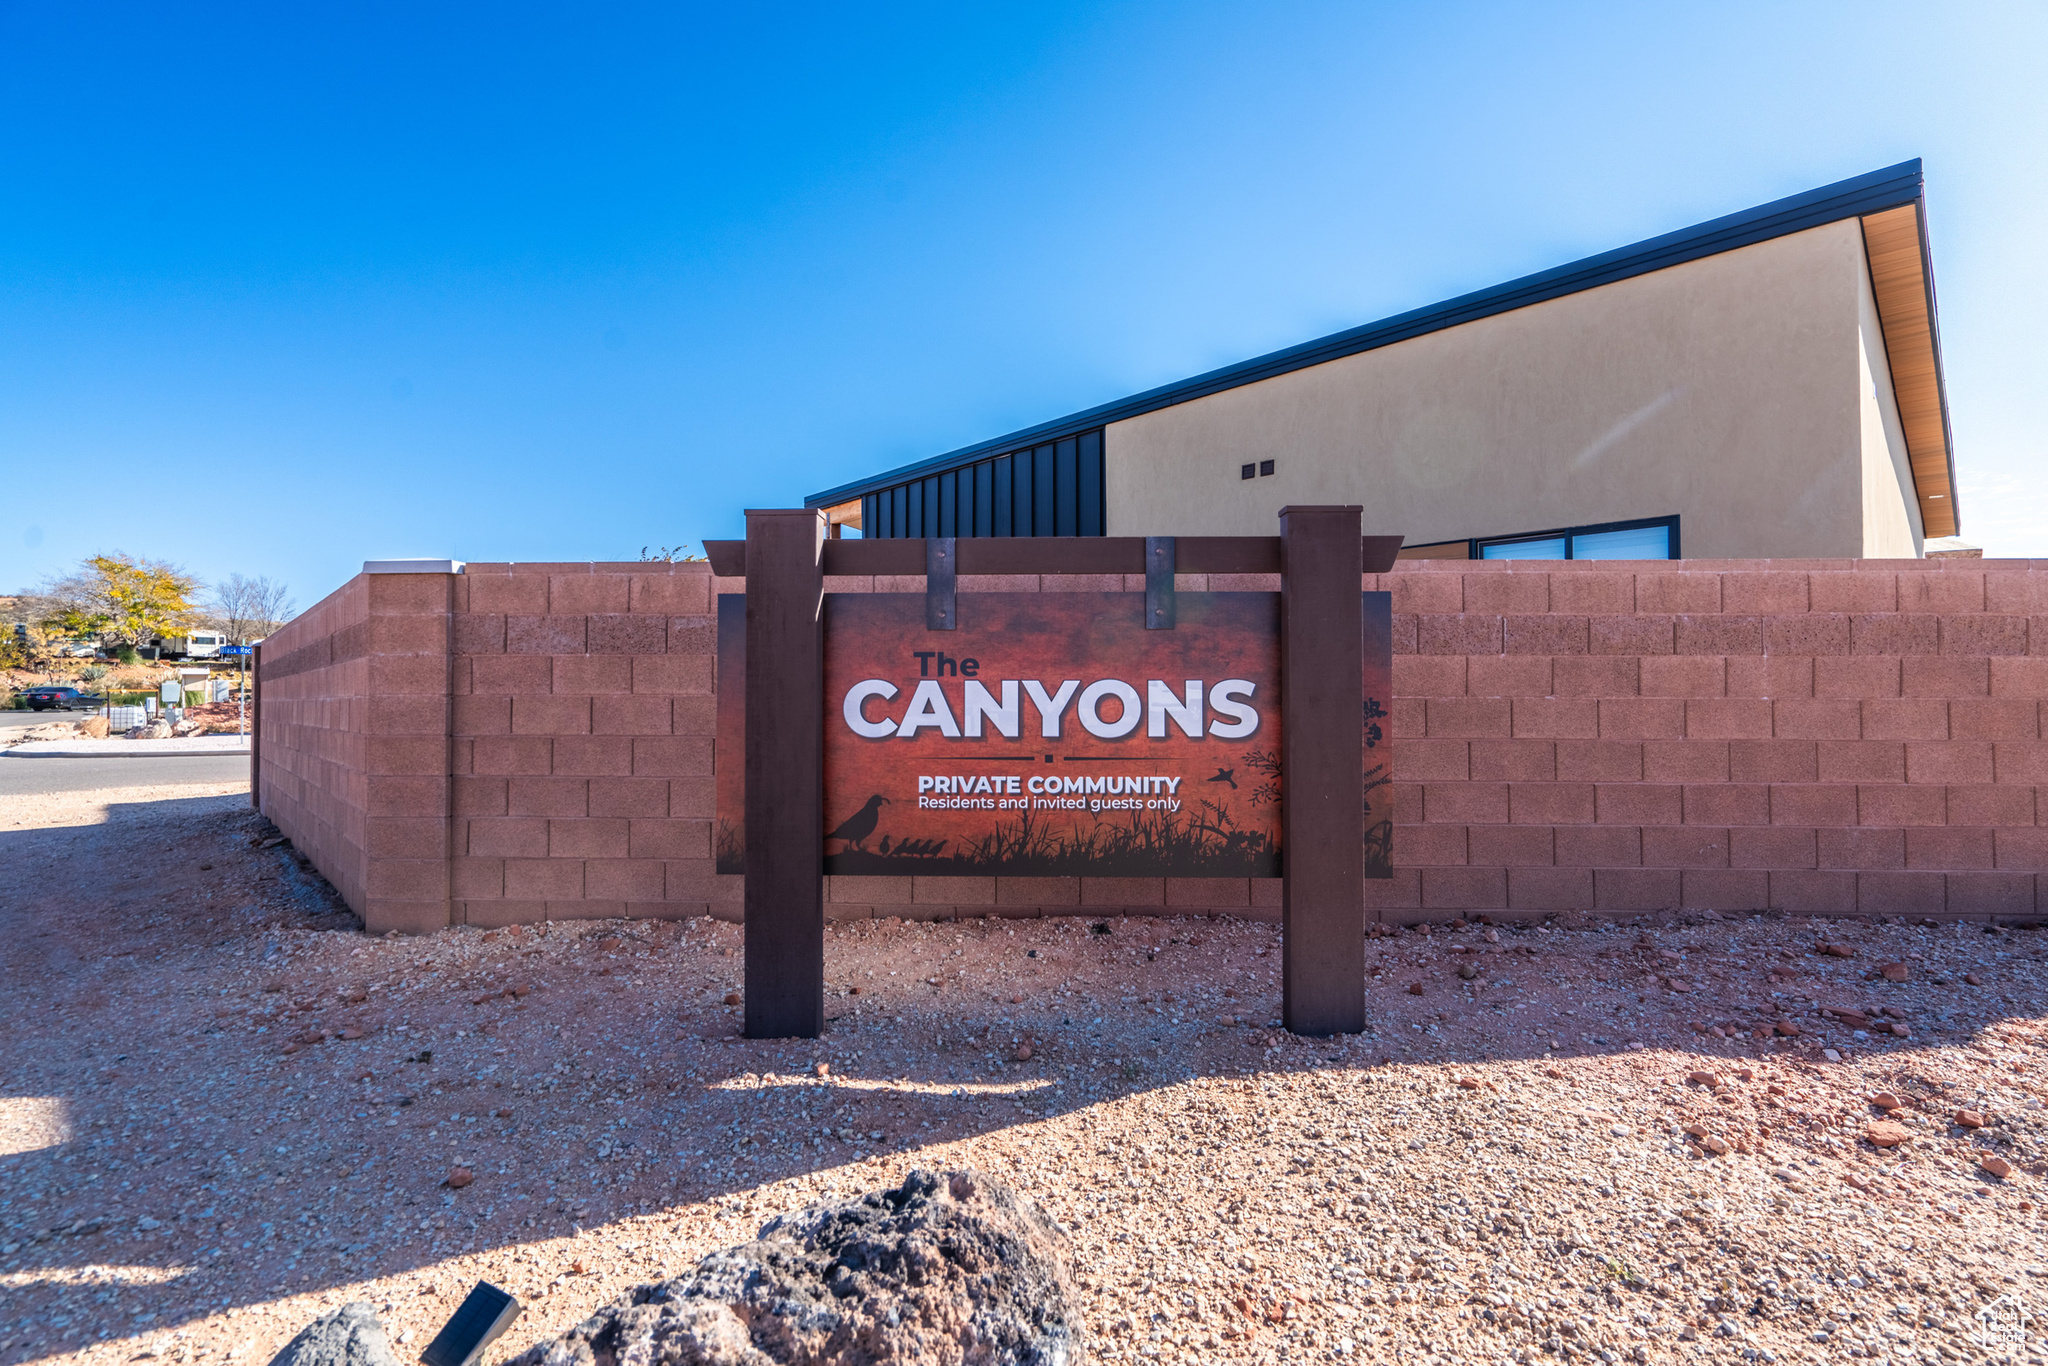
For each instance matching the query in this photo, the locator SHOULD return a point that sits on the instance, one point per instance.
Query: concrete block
(1725, 889)
(1417, 846)
(584, 674)
(1862, 761)
(1774, 676)
(1901, 893)
(1465, 634)
(1545, 635)
(1684, 846)
(1728, 718)
(1773, 761)
(1814, 805)
(550, 715)
(550, 796)
(1598, 846)
(1993, 718)
(1429, 760)
(1937, 676)
(1587, 761)
(1637, 804)
(627, 635)
(625, 879)
(510, 755)
(1521, 676)
(1556, 718)
(1991, 805)
(1894, 634)
(550, 635)
(1992, 894)
(645, 798)
(1950, 847)
(508, 837)
(1858, 590)
(1494, 760)
(1636, 889)
(1683, 676)
(1550, 889)
(1772, 847)
(671, 839)
(1464, 803)
(1820, 892)
(1727, 804)
(1506, 846)
(1900, 804)
(1551, 803)
(1468, 717)
(1429, 675)
(1459, 889)
(1764, 592)
(1596, 676)
(1861, 847)
(1642, 718)
(1632, 635)
(1593, 593)
(1857, 676)
(1949, 761)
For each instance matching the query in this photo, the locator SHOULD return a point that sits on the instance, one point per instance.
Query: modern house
(1764, 385)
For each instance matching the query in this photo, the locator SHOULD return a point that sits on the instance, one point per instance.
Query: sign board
(172, 692)
(236, 651)
(1051, 734)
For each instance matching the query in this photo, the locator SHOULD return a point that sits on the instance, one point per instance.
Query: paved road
(21, 777)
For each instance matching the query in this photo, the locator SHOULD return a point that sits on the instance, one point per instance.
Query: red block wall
(1826, 736)
(527, 742)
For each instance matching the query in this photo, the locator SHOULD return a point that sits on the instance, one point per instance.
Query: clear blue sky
(285, 287)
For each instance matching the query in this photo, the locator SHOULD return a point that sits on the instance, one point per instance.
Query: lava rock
(348, 1336)
(951, 1267)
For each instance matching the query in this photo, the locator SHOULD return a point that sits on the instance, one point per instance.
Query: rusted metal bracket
(1159, 605)
(941, 567)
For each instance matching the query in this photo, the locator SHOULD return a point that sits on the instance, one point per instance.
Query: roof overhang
(1902, 278)
(1888, 202)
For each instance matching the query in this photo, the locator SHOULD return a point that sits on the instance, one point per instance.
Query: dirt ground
(223, 1110)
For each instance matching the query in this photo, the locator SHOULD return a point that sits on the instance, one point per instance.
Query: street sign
(237, 651)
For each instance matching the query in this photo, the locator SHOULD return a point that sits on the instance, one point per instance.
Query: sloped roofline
(1870, 193)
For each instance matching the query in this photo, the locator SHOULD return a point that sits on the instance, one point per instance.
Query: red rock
(1678, 984)
(1883, 1133)
(1708, 1079)
(1834, 950)
(1894, 972)
(351, 1033)
(1970, 1119)
(1717, 1146)
(1468, 1083)
(1887, 1102)
(1023, 1053)
(823, 1069)
(518, 989)
(501, 1114)
(460, 1177)
(1415, 988)
(1744, 1074)
(1697, 1130)
(1972, 979)
(608, 945)
(1997, 1166)
(1786, 1028)
(732, 998)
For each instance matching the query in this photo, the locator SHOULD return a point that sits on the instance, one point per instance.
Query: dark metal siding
(1054, 489)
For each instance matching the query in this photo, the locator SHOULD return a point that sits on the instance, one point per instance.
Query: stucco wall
(1833, 736)
(1725, 390)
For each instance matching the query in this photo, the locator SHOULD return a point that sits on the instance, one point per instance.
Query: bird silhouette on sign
(885, 844)
(1226, 775)
(856, 828)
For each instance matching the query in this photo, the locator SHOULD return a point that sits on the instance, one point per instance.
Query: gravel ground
(223, 1110)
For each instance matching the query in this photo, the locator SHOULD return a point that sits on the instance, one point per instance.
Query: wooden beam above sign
(1055, 555)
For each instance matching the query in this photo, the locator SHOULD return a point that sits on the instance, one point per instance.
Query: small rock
(1468, 971)
(732, 998)
(1834, 950)
(460, 1177)
(1884, 1133)
(1415, 988)
(93, 727)
(1468, 1083)
(1678, 984)
(607, 945)
(1717, 1146)
(348, 1336)
(1894, 972)
(1997, 1166)
(1786, 1028)
(1696, 1130)
(1972, 979)
(1887, 1102)
(823, 1069)
(1023, 1053)
(1970, 1119)
(1710, 1080)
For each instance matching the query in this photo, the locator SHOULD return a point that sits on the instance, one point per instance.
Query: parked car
(61, 699)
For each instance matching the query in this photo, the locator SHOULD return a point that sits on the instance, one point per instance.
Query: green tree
(123, 600)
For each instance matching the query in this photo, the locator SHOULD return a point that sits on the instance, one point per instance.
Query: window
(1652, 538)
